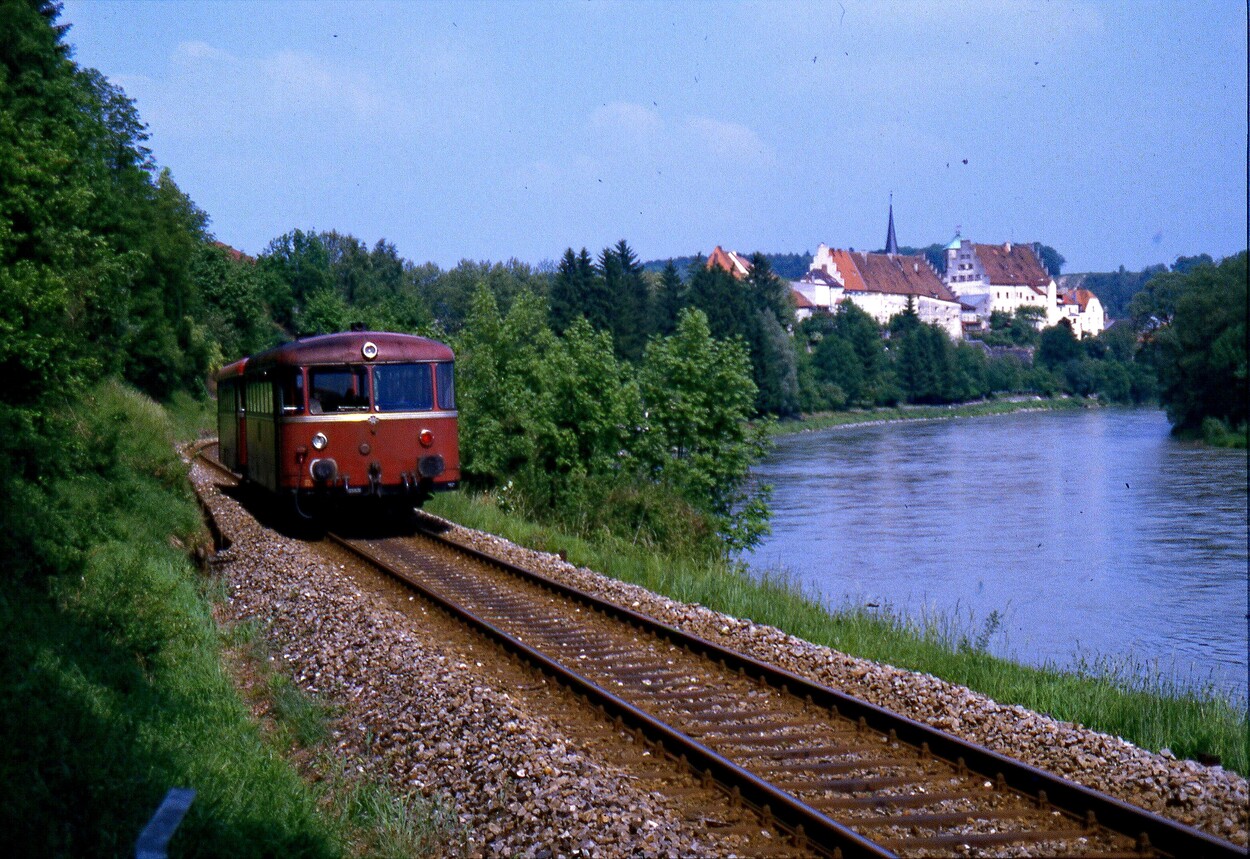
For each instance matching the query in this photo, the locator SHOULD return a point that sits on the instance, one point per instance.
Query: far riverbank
(983, 408)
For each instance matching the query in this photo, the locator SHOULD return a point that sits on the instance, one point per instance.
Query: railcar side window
(291, 386)
(446, 385)
(338, 389)
(403, 387)
(259, 397)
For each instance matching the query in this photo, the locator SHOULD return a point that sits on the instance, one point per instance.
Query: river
(1093, 533)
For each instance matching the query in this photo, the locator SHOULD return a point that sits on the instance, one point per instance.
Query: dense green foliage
(787, 266)
(849, 362)
(1198, 346)
(564, 430)
(110, 667)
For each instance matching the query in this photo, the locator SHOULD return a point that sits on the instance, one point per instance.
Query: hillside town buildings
(882, 285)
(980, 280)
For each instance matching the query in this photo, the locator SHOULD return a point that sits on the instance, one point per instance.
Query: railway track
(845, 777)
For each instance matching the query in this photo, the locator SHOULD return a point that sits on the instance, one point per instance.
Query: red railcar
(358, 414)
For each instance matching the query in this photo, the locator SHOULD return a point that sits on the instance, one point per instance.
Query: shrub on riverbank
(1148, 709)
(111, 668)
(1218, 433)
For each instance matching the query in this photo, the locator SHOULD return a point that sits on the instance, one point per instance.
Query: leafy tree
(300, 265)
(1050, 258)
(1155, 302)
(1201, 355)
(1004, 374)
(1058, 346)
(1184, 264)
(698, 394)
(971, 373)
(497, 363)
(1115, 383)
(1115, 290)
(325, 312)
(450, 295)
(235, 314)
(839, 370)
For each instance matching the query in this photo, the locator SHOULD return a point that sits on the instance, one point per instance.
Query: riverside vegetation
(616, 408)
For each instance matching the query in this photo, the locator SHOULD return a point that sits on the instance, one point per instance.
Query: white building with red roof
(1002, 277)
(736, 264)
(1081, 309)
(881, 285)
(1010, 276)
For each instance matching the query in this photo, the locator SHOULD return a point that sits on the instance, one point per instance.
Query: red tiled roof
(736, 264)
(800, 300)
(1012, 265)
(849, 271)
(1079, 297)
(237, 256)
(893, 274)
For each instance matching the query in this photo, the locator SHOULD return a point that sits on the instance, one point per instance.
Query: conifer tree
(627, 289)
(568, 292)
(669, 300)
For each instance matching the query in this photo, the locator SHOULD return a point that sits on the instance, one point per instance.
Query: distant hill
(786, 266)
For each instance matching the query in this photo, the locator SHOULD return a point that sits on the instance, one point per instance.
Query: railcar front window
(446, 385)
(338, 389)
(403, 387)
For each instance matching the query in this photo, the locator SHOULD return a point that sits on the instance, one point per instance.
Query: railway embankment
(512, 766)
(1209, 798)
(436, 721)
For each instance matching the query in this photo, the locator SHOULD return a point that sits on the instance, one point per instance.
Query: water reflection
(1091, 532)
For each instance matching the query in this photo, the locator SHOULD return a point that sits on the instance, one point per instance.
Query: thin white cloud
(635, 119)
(730, 142)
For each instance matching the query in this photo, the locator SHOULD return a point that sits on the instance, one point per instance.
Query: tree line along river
(1094, 534)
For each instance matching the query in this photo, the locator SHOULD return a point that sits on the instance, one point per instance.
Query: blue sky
(1115, 132)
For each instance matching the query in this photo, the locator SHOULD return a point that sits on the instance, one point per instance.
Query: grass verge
(111, 667)
(825, 420)
(1135, 702)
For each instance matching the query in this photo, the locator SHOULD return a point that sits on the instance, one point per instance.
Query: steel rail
(809, 826)
(1151, 831)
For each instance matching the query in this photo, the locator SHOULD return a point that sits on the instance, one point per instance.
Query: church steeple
(891, 243)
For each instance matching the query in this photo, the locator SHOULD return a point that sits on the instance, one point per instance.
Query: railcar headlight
(319, 441)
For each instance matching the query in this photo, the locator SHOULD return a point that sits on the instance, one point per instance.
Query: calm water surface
(1092, 533)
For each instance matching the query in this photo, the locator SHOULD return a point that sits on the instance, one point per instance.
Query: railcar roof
(231, 370)
(347, 347)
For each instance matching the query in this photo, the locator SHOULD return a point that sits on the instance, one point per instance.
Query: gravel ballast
(1208, 798)
(419, 703)
(425, 709)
